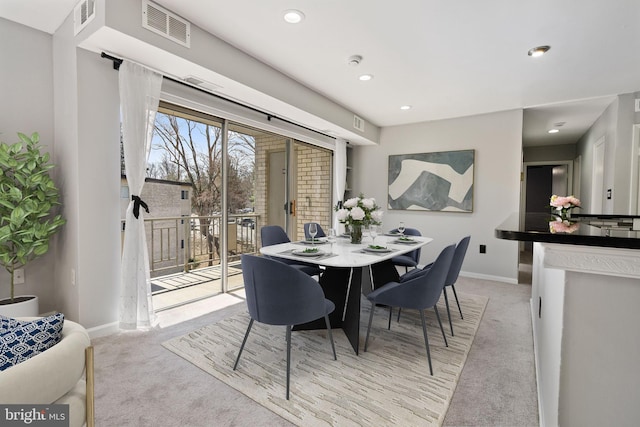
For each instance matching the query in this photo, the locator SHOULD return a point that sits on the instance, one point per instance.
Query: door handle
(291, 209)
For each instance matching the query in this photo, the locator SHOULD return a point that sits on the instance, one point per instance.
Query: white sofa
(56, 375)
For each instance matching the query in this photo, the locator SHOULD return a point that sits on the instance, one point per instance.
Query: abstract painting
(432, 181)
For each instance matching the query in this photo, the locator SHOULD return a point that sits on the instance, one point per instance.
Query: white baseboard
(480, 276)
(103, 330)
(489, 277)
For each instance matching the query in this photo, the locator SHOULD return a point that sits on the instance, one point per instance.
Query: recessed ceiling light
(538, 51)
(405, 107)
(293, 16)
(365, 77)
(553, 130)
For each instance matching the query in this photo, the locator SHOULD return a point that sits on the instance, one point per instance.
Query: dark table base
(342, 291)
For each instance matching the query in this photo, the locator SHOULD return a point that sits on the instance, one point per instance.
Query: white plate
(301, 252)
(392, 234)
(411, 241)
(315, 242)
(383, 250)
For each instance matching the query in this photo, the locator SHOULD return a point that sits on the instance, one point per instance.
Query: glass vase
(356, 233)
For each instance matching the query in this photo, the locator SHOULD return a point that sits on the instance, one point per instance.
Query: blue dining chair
(452, 276)
(273, 235)
(420, 292)
(307, 236)
(410, 259)
(278, 294)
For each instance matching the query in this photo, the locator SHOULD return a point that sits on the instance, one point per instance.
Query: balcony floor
(178, 289)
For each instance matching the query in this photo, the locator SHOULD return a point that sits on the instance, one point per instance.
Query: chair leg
(288, 357)
(333, 347)
(441, 328)
(426, 340)
(446, 301)
(390, 314)
(399, 311)
(366, 340)
(457, 301)
(244, 341)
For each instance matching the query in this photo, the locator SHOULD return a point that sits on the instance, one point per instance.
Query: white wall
(26, 88)
(616, 126)
(98, 189)
(88, 152)
(623, 153)
(497, 140)
(66, 136)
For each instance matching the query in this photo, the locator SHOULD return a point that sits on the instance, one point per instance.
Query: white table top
(345, 254)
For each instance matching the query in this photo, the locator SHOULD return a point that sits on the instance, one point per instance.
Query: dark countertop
(536, 228)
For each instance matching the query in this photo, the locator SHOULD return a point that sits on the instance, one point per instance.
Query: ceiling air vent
(167, 24)
(358, 123)
(201, 83)
(83, 13)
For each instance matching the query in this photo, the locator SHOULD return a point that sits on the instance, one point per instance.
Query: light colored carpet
(388, 385)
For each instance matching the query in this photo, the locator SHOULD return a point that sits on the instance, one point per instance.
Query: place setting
(398, 232)
(312, 242)
(312, 239)
(374, 249)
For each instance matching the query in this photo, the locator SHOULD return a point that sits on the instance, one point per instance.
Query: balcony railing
(178, 244)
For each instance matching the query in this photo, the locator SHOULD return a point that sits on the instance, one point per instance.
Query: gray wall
(87, 124)
(549, 153)
(497, 140)
(616, 126)
(26, 87)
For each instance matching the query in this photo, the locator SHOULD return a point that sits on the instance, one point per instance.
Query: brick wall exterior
(314, 187)
(313, 177)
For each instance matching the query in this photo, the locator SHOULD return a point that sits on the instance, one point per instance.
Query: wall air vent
(358, 123)
(83, 13)
(169, 25)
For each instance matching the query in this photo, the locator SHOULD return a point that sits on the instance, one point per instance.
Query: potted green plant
(27, 220)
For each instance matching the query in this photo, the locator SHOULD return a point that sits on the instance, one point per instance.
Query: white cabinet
(585, 317)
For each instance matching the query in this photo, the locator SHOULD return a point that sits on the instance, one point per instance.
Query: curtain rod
(118, 61)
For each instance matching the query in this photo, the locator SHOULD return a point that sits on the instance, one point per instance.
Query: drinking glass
(331, 238)
(373, 232)
(313, 230)
(401, 228)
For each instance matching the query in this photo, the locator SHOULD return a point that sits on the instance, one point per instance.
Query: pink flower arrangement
(562, 205)
(566, 202)
(560, 226)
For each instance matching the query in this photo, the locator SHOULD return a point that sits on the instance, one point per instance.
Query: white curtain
(339, 176)
(139, 98)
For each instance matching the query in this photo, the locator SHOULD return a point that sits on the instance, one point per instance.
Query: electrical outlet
(483, 249)
(18, 276)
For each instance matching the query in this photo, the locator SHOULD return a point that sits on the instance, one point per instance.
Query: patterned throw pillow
(7, 323)
(21, 340)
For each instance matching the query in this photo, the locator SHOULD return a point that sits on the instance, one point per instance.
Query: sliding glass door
(232, 180)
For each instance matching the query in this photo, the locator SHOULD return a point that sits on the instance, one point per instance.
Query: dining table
(348, 271)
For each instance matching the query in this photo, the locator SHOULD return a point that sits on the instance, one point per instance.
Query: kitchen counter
(612, 231)
(584, 296)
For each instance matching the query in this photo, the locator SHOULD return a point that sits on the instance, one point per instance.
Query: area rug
(387, 385)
